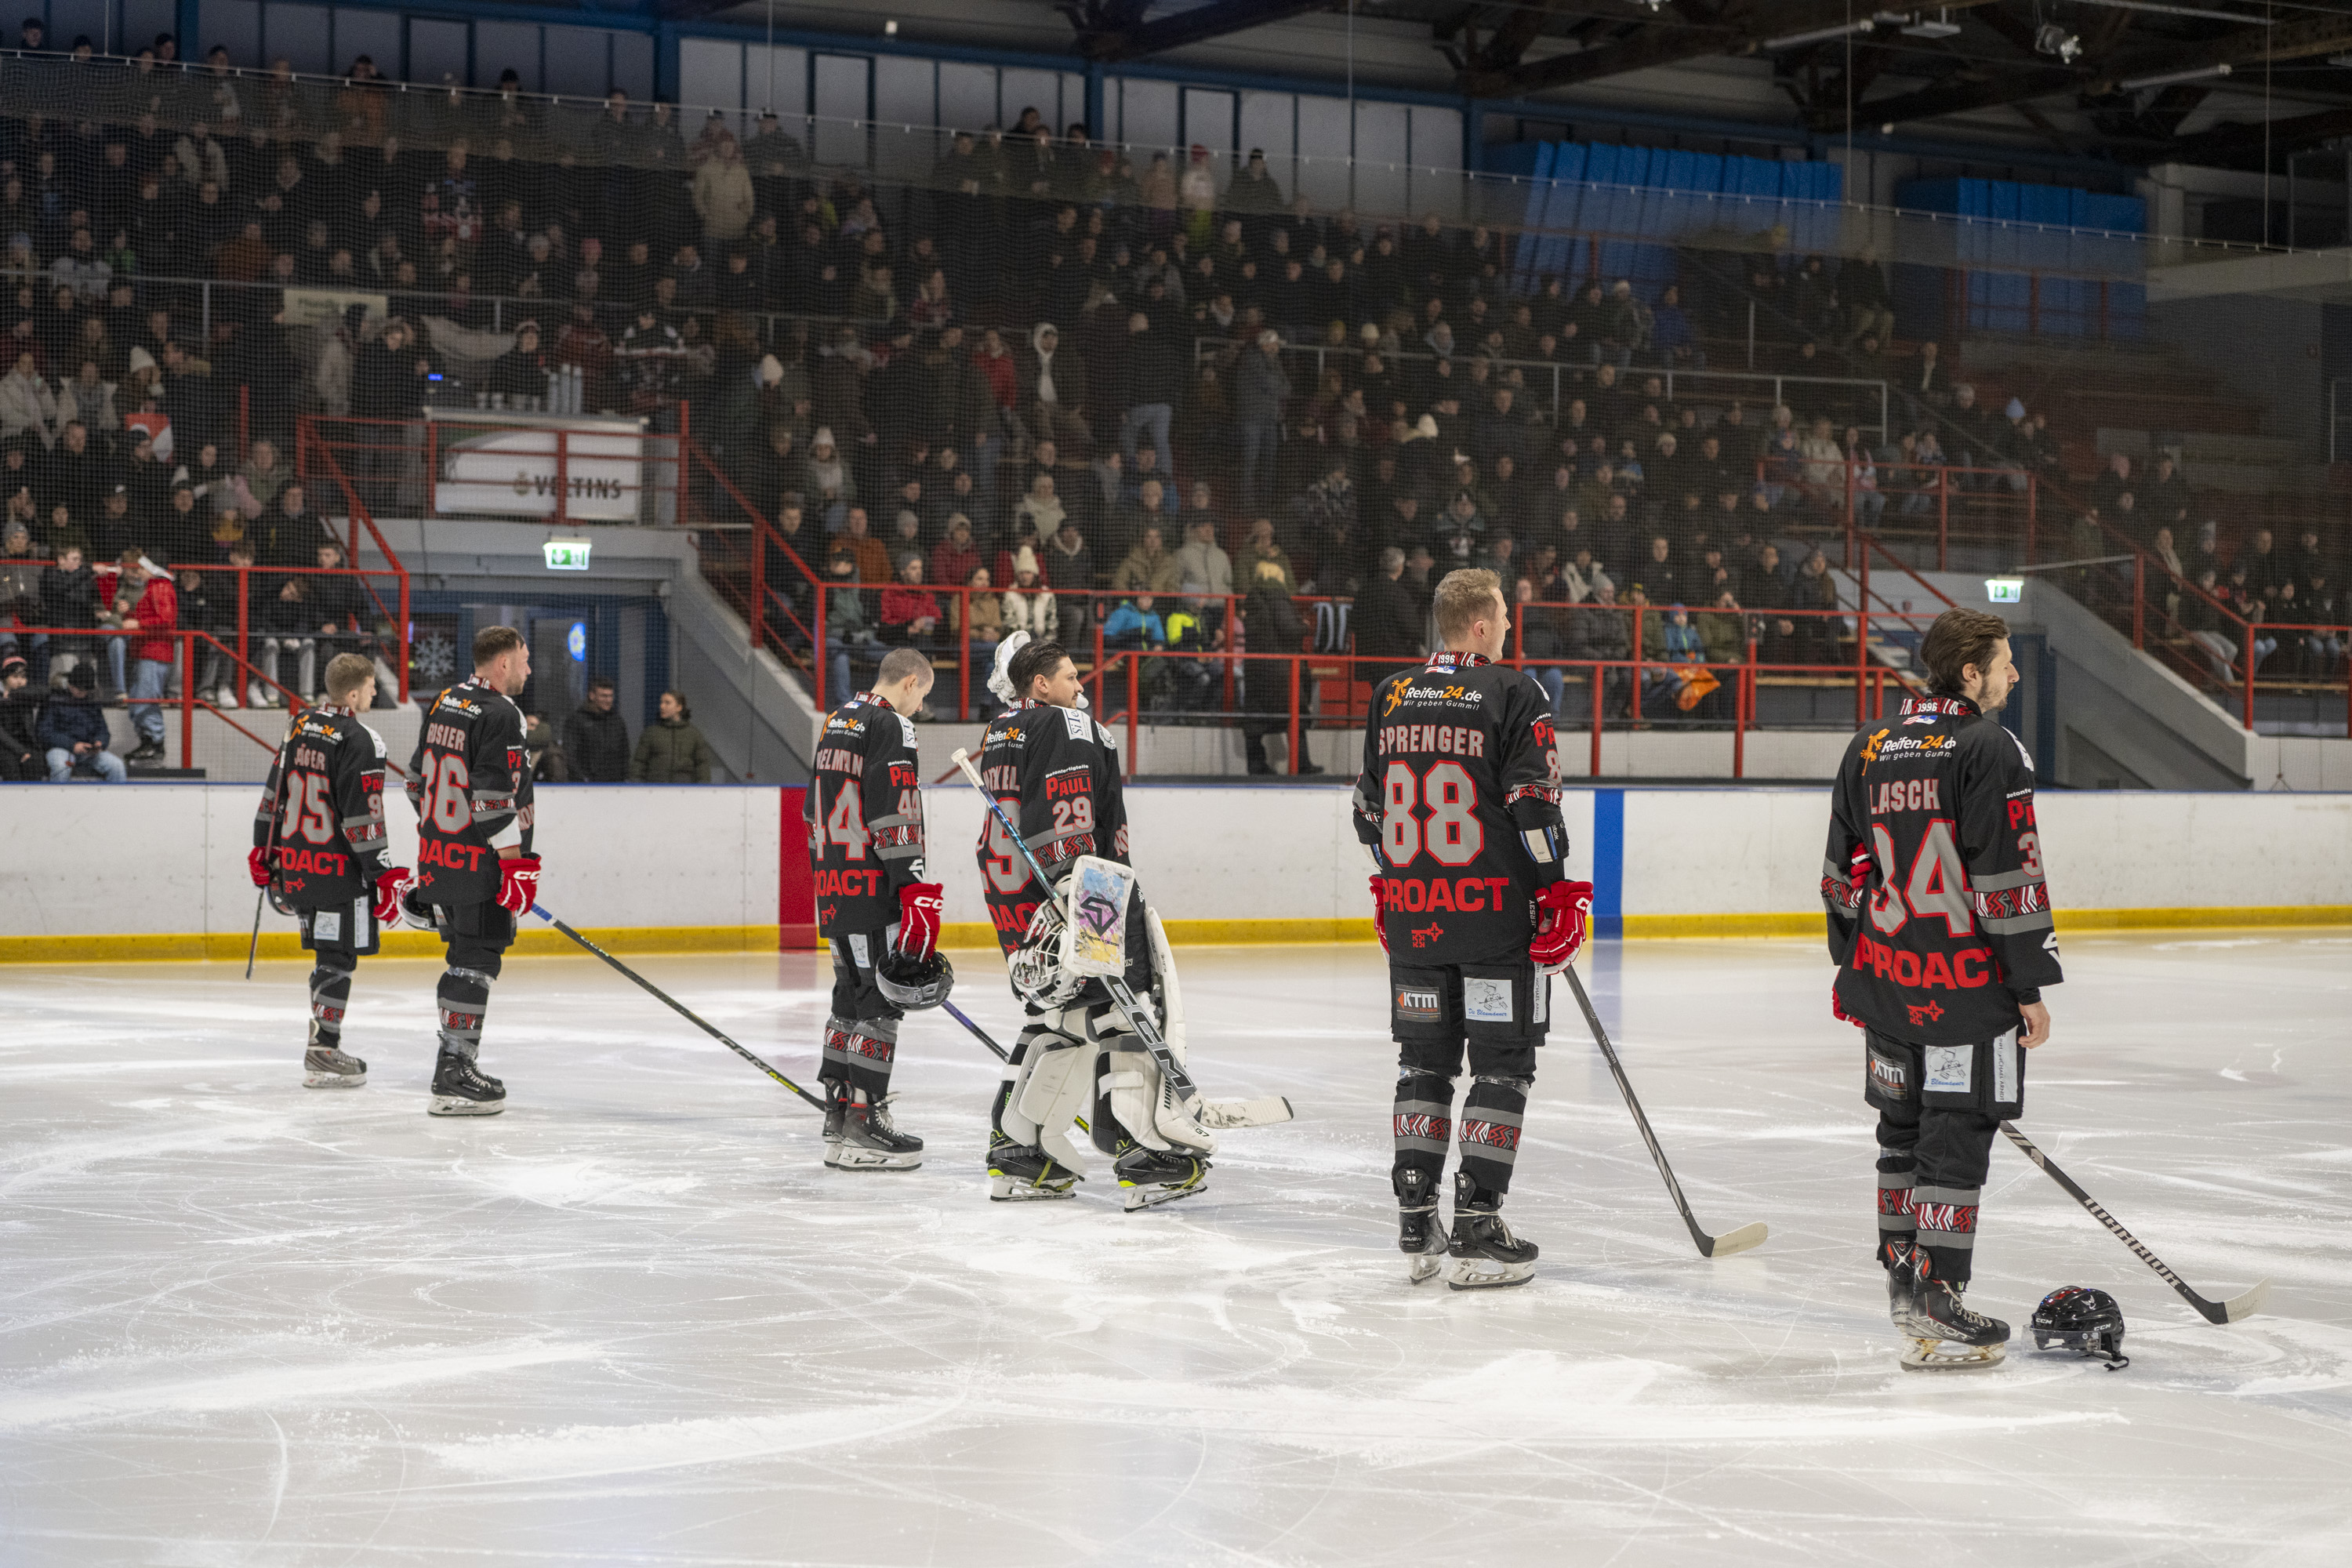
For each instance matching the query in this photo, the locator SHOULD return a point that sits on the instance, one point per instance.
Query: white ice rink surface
(634, 1322)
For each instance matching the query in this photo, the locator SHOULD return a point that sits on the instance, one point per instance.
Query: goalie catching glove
(1562, 909)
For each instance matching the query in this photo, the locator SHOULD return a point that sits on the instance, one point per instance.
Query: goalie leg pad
(1141, 1101)
(1049, 1080)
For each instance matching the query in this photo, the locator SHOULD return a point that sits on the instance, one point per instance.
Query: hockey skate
(836, 1108)
(326, 1066)
(869, 1140)
(1023, 1172)
(461, 1089)
(1486, 1255)
(1419, 1235)
(1156, 1176)
(1902, 1284)
(1946, 1335)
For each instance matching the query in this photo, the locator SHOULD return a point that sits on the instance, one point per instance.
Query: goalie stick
(1723, 1245)
(1179, 1082)
(673, 1005)
(2230, 1311)
(1216, 1114)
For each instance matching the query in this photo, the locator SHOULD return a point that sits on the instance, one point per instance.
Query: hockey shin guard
(1489, 1134)
(868, 1051)
(834, 1071)
(1423, 1126)
(465, 998)
(330, 995)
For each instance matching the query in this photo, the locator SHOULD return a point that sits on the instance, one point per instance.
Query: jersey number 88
(1451, 832)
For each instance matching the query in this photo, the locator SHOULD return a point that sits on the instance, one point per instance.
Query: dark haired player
(873, 907)
(470, 783)
(1939, 922)
(320, 837)
(1053, 770)
(1458, 806)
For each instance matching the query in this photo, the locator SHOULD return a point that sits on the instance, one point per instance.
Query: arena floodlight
(1943, 27)
(2166, 79)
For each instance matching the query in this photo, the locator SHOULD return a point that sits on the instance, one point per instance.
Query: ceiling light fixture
(2166, 79)
(2053, 39)
(1943, 27)
(1818, 35)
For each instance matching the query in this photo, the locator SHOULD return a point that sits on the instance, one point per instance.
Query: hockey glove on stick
(920, 905)
(391, 887)
(1849, 895)
(518, 883)
(1379, 904)
(1562, 909)
(256, 866)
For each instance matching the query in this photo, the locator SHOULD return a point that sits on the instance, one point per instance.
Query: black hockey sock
(1423, 1125)
(1897, 1227)
(465, 998)
(1489, 1134)
(868, 1051)
(1947, 1230)
(330, 995)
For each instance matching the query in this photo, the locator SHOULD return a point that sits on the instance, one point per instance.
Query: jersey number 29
(1451, 832)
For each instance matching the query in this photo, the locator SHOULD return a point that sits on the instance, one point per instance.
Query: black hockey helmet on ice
(914, 983)
(2076, 1317)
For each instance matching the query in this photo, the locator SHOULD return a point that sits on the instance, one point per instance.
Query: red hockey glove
(1837, 1009)
(1379, 906)
(1564, 908)
(519, 884)
(390, 885)
(256, 866)
(920, 904)
(1850, 893)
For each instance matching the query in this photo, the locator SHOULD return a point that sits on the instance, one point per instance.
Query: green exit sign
(1998, 590)
(566, 554)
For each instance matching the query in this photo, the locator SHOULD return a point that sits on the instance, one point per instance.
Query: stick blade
(1222, 1115)
(2237, 1308)
(1740, 1240)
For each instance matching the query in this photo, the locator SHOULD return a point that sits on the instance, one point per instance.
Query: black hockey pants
(1939, 1107)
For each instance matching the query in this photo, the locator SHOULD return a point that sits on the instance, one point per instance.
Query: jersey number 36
(1450, 831)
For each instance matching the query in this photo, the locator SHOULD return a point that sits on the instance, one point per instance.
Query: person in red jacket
(147, 606)
(911, 612)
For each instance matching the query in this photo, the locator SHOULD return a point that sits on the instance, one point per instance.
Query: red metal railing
(313, 454)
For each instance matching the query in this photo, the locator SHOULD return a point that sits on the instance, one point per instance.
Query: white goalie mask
(1039, 976)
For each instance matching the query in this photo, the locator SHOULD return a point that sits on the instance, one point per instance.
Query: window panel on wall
(710, 76)
(966, 96)
(1436, 183)
(1269, 119)
(376, 34)
(843, 87)
(778, 80)
(1040, 90)
(1209, 120)
(1383, 140)
(1324, 147)
(236, 24)
(437, 49)
(632, 67)
(498, 47)
(578, 62)
(303, 35)
(1147, 115)
(1074, 101)
(905, 106)
(70, 19)
(142, 20)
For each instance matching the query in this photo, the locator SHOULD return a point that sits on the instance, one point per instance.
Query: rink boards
(158, 871)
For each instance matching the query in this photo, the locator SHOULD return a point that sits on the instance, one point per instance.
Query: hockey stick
(254, 946)
(2229, 1312)
(1178, 1081)
(1723, 1245)
(1219, 1115)
(672, 1004)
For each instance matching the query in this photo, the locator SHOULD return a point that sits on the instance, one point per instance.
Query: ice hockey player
(1939, 923)
(1052, 769)
(470, 783)
(1458, 806)
(874, 906)
(320, 837)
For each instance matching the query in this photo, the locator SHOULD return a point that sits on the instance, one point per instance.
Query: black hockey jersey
(1951, 929)
(864, 814)
(1055, 773)
(470, 783)
(1460, 798)
(321, 816)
